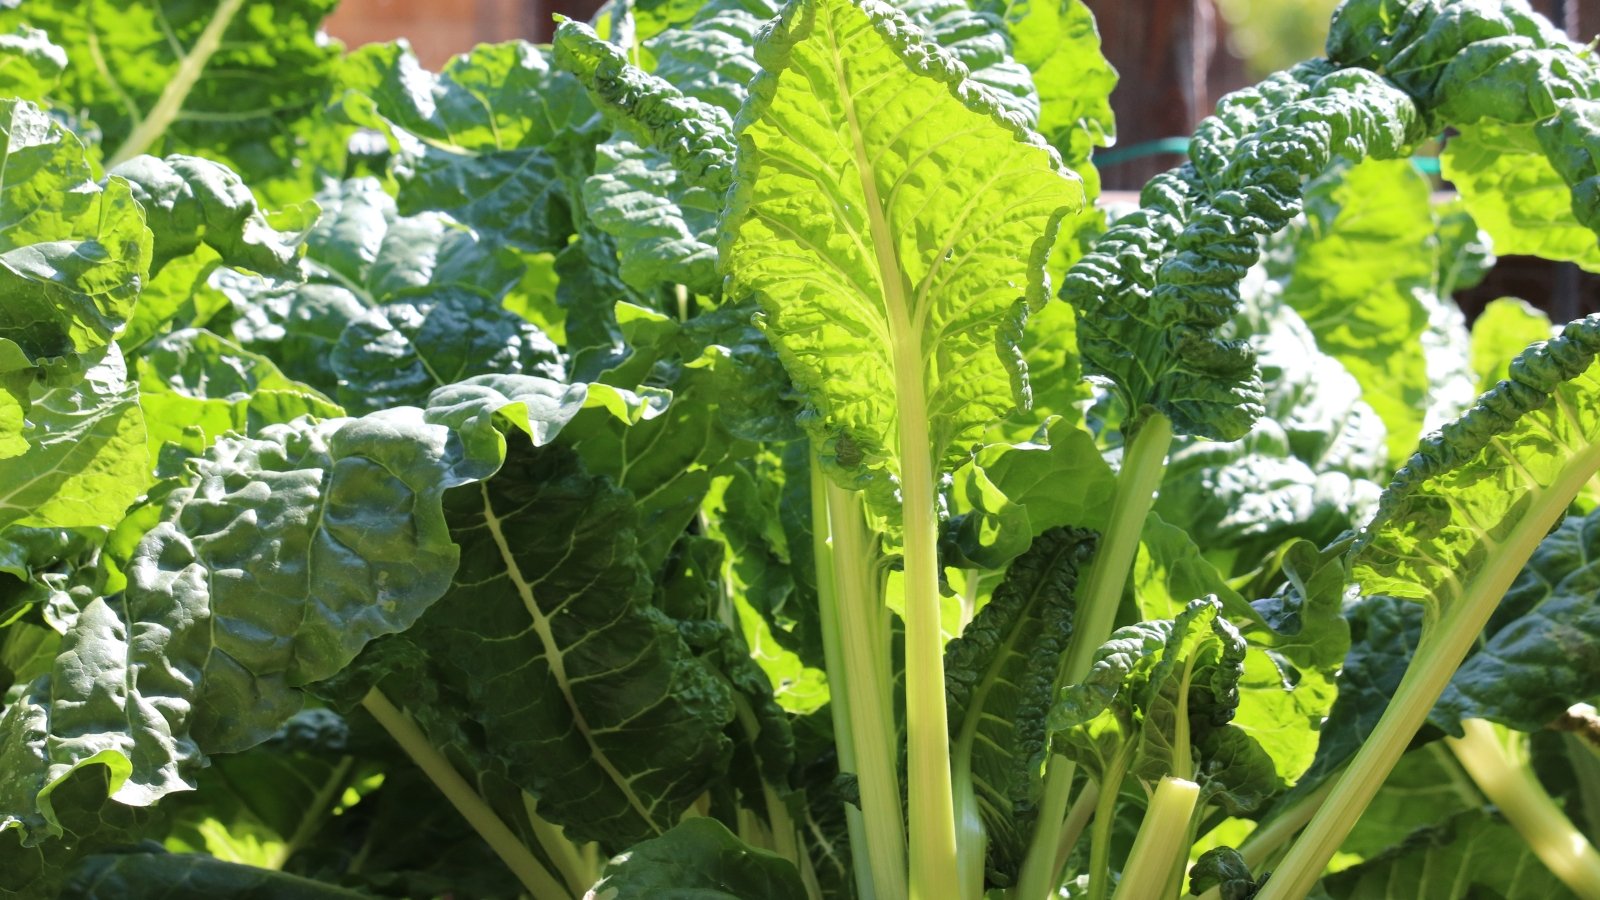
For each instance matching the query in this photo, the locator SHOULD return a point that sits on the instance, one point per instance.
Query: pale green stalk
(1443, 648)
(1160, 841)
(1083, 807)
(472, 807)
(838, 675)
(312, 816)
(932, 801)
(1143, 463)
(1511, 786)
(149, 129)
(863, 630)
(567, 857)
(1105, 816)
(1260, 844)
(1179, 864)
(781, 836)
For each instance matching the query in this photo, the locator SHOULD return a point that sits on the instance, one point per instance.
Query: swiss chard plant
(731, 452)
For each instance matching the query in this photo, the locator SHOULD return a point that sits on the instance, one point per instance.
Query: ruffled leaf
(1001, 676)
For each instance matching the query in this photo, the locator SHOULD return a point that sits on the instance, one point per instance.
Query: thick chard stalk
(889, 274)
(1510, 785)
(855, 643)
(840, 688)
(1161, 842)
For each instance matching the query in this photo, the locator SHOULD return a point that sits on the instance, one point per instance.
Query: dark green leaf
(168, 876)
(699, 860)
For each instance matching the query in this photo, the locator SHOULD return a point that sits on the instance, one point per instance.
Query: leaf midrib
(556, 660)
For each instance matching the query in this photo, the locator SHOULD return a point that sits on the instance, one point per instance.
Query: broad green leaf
(887, 269)
(1310, 468)
(397, 354)
(1001, 678)
(589, 292)
(1504, 329)
(1158, 699)
(765, 572)
(90, 823)
(188, 201)
(1478, 496)
(482, 141)
(171, 876)
(1366, 252)
(1058, 42)
(728, 389)
(239, 82)
(32, 64)
(1571, 138)
(694, 133)
(56, 570)
(658, 181)
(322, 536)
(757, 399)
(361, 242)
(484, 406)
(665, 230)
(584, 691)
(73, 254)
(1515, 194)
(699, 860)
(978, 39)
(667, 463)
(296, 325)
(1156, 288)
(181, 295)
(85, 458)
(1473, 854)
(1444, 54)
(195, 387)
(360, 255)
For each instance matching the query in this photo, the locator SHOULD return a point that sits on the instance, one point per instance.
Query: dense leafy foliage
(729, 453)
